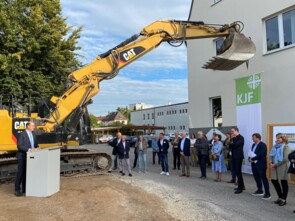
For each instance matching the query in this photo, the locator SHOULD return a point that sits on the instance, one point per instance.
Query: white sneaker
(167, 174)
(162, 173)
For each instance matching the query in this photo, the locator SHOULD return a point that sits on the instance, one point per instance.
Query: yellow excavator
(64, 121)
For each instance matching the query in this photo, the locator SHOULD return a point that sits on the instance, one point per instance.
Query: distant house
(114, 117)
(100, 119)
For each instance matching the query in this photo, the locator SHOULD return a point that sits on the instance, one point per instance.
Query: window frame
(281, 33)
(212, 111)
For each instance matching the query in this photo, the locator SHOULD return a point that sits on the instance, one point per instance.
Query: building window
(185, 110)
(180, 111)
(153, 116)
(218, 44)
(180, 127)
(289, 27)
(148, 116)
(144, 117)
(216, 111)
(280, 30)
(183, 127)
(272, 33)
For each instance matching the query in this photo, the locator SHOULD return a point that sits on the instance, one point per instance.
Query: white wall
(177, 120)
(278, 68)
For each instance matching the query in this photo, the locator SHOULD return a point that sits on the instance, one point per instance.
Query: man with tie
(236, 145)
(26, 142)
(123, 153)
(258, 164)
(115, 144)
(163, 145)
(184, 150)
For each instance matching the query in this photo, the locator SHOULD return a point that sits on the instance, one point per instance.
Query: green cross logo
(254, 81)
(248, 90)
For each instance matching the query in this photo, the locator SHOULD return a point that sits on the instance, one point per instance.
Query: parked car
(169, 136)
(132, 140)
(148, 139)
(111, 140)
(105, 139)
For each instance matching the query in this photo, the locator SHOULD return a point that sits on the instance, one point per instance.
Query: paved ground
(196, 199)
(149, 196)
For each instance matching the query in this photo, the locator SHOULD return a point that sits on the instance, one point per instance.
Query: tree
(37, 48)
(93, 120)
(125, 111)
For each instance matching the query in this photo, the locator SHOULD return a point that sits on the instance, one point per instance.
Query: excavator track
(73, 163)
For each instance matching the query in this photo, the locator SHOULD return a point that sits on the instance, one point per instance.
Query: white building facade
(174, 117)
(212, 94)
(140, 106)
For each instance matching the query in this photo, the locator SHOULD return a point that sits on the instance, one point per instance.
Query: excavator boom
(83, 83)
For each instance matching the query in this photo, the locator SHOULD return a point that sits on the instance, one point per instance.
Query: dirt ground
(100, 197)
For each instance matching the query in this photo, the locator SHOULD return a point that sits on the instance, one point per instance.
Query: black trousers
(203, 160)
(135, 159)
(154, 157)
(176, 157)
(282, 192)
(238, 169)
(21, 174)
(260, 177)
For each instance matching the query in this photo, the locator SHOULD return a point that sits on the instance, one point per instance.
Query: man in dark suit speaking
(26, 142)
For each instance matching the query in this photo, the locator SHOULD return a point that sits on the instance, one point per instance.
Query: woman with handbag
(279, 168)
(218, 165)
(291, 170)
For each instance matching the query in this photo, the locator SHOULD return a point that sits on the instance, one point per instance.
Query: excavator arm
(83, 83)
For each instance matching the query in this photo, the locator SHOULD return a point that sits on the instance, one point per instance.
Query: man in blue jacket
(163, 145)
(258, 164)
(123, 153)
(184, 150)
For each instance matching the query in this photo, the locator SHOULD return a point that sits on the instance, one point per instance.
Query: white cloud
(156, 78)
(110, 22)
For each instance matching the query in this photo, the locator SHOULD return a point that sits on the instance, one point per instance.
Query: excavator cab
(236, 49)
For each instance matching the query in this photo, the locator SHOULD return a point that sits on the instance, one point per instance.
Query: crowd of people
(188, 152)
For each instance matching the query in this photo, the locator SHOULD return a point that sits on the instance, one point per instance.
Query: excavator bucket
(235, 50)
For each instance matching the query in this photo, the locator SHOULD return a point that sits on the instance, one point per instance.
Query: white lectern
(43, 172)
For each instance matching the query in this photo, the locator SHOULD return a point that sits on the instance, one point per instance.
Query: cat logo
(20, 125)
(129, 54)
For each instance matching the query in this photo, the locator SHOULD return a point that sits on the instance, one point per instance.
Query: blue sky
(158, 77)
